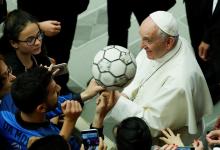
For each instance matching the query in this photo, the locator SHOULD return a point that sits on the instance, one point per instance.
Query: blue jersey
(7, 104)
(17, 136)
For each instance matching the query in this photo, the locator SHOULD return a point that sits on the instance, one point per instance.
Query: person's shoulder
(7, 104)
(13, 61)
(7, 117)
(10, 129)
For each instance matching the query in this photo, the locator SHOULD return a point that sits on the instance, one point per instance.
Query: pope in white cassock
(169, 89)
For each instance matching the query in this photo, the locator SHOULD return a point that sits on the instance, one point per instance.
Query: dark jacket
(18, 68)
(54, 8)
(3, 10)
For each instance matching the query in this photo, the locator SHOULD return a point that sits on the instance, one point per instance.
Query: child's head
(35, 90)
(22, 32)
(132, 134)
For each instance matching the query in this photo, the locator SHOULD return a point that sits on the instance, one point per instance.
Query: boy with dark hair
(35, 93)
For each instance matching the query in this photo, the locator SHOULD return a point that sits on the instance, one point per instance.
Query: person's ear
(14, 44)
(41, 108)
(170, 42)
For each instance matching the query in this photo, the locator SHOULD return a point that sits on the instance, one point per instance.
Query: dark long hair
(30, 89)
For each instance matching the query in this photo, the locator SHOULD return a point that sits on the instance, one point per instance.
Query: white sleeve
(122, 105)
(167, 108)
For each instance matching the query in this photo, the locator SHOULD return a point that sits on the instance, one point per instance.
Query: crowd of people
(173, 88)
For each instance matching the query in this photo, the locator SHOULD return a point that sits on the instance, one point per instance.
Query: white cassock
(166, 92)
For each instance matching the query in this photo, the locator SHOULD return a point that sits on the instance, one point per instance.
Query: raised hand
(213, 137)
(50, 27)
(71, 109)
(198, 145)
(203, 50)
(171, 138)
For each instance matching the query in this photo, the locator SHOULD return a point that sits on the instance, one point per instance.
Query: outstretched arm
(92, 90)
(102, 108)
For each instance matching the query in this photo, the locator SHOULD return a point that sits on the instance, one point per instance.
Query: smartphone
(186, 148)
(90, 139)
(62, 69)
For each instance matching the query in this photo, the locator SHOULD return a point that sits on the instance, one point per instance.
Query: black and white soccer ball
(113, 67)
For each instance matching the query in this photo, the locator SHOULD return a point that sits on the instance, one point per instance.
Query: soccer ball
(113, 67)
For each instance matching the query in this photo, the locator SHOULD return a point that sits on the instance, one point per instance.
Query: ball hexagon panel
(107, 79)
(104, 65)
(117, 68)
(112, 54)
(126, 58)
(121, 81)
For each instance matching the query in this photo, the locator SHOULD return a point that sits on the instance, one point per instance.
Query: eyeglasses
(32, 39)
(7, 72)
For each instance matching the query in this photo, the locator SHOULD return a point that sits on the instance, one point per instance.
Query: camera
(90, 139)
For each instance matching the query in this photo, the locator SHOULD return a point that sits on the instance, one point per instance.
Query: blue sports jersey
(7, 104)
(18, 136)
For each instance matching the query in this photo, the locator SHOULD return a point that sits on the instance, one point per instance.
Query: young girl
(24, 38)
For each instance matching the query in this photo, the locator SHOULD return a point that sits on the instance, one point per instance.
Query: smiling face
(29, 40)
(155, 45)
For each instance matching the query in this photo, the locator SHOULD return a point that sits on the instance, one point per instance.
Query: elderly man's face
(154, 45)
